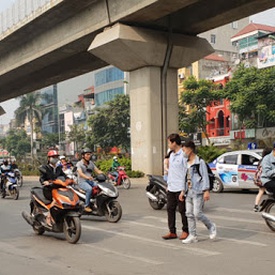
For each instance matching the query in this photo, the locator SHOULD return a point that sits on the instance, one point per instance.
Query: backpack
(211, 176)
(257, 176)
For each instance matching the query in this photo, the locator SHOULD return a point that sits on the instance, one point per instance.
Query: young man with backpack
(197, 191)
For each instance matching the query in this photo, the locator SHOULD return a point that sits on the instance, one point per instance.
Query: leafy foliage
(77, 135)
(198, 94)
(109, 125)
(50, 140)
(209, 153)
(105, 165)
(17, 143)
(30, 109)
(251, 92)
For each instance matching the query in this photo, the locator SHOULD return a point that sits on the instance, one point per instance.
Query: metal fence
(22, 11)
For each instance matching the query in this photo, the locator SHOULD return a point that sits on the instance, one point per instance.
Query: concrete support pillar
(148, 112)
(153, 83)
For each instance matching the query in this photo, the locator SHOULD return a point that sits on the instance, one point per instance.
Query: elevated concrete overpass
(149, 38)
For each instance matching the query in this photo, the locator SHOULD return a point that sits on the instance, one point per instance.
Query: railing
(22, 12)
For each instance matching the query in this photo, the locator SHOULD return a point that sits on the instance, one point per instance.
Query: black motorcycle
(103, 200)
(156, 192)
(268, 210)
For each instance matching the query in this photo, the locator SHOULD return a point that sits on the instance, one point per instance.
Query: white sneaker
(190, 239)
(213, 232)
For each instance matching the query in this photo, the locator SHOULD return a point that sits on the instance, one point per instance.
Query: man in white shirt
(176, 188)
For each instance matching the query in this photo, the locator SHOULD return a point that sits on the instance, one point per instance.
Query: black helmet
(86, 150)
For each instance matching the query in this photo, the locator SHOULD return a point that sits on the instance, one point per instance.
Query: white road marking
(122, 256)
(202, 226)
(191, 250)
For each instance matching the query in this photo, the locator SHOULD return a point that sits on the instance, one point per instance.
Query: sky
(267, 18)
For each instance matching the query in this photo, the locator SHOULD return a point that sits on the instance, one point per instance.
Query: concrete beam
(139, 47)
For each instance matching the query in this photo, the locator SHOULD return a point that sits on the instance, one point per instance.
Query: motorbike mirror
(74, 169)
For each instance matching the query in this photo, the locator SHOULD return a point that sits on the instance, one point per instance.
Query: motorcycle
(9, 185)
(156, 192)
(122, 178)
(268, 210)
(103, 200)
(71, 173)
(19, 177)
(65, 210)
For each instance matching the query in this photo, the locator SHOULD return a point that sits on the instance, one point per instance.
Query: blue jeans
(87, 186)
(115, 173)
(194, 204)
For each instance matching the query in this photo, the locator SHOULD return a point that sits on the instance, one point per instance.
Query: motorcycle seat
(38, 192)
(76, 187)
(159, 179)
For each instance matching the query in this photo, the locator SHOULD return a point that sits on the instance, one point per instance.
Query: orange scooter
(65, 210)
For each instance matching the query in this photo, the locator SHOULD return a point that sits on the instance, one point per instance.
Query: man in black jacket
(51, 171)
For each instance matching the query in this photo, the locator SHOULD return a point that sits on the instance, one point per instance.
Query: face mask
(185, 155)
(53, 161)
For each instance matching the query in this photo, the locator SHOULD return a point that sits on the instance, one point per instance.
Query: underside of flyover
(54, 47)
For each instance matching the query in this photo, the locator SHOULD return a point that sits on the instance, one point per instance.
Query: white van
(235, 169)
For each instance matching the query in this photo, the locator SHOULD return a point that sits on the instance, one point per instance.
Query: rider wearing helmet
(85, 167)
(115, 165)
(52, 172)
(63, 162)
(4, 168)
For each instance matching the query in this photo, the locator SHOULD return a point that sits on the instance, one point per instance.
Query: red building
(218, 114)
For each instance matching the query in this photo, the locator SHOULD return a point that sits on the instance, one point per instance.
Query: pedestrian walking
(175, 188)
(197, 191)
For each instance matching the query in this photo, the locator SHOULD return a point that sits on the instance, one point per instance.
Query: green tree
(30, 109)
(50, 140)
(110, 124)
(198, 94)
(77, 135)
(251, 92)
(17, 143)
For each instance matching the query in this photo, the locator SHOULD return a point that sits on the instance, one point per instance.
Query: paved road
(134, 245)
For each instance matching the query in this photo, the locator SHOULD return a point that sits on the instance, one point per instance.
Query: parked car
(235, 169)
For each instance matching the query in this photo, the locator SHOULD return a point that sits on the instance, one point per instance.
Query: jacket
(268, 168)
(51, 173)
(199, 183)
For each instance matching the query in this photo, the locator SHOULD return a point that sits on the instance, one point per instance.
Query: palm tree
(30, 109)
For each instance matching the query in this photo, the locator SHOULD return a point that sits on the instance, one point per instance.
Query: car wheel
(217, 186)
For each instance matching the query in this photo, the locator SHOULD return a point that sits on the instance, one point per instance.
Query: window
(230, 159)
(248, 159)
(213, 39)
(234, 25)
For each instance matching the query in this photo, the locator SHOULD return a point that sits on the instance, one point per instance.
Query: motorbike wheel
(72, 229)
(159, 204)
(15, 193)
(20, 181)
(38, 229)
(271, 210)
(217, 186)
(156, 205)
(126, 183)
(3, 193)
(113, 211)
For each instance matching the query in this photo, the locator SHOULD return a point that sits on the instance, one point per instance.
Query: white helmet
(62, 157)
(115, 158)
